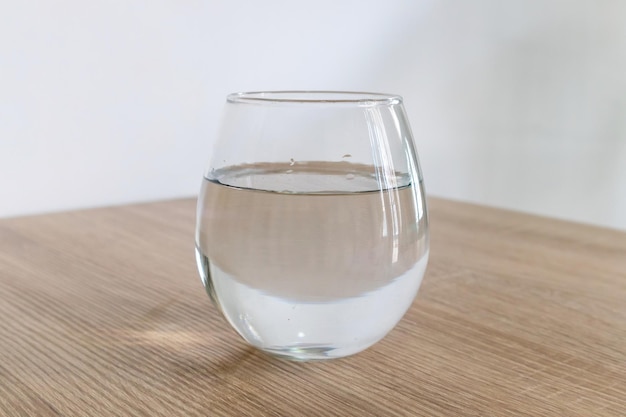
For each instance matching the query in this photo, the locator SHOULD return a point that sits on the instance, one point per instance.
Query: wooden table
(102, 313)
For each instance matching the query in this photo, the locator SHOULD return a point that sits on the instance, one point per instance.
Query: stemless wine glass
(312, 229)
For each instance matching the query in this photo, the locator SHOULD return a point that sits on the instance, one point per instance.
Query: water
(305, 259)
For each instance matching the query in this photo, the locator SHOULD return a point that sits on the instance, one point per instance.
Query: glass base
(306, 353)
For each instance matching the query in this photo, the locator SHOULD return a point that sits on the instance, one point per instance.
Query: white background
(517, 103)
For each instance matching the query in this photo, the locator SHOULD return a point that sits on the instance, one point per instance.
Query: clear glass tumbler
(312, 229)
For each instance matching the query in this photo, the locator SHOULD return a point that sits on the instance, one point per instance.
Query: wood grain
(102, 313)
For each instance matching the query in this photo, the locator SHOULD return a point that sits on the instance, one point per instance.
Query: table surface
(102, 313)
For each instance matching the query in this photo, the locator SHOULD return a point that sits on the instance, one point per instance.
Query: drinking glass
(312, 228)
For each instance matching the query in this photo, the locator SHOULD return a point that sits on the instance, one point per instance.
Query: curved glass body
(312, 228)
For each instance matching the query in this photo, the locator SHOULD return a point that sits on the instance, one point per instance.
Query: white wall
(518, 103)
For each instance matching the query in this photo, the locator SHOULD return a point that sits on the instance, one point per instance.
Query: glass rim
(315, 97)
